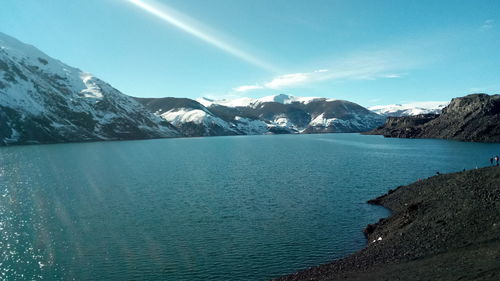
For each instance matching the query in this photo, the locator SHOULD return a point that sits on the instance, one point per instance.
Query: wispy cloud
(172, 17)
(377, 65)
(287, 80)
(246, 88)
(490, 88)
(488, 24)
(392, 75)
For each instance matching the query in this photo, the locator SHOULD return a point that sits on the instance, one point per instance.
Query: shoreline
(446, 227)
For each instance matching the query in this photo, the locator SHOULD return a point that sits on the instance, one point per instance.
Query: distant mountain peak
(245, 101)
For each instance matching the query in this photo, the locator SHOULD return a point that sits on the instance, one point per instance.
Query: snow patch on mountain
(410, 109)
(320, 120)
(251, 126)
(197, 116)
(92, 90)
(238, 102)
(355, 122)
(283, 121)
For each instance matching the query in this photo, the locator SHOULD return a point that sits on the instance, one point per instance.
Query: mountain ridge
(43, 100)
(268, 115)
(409, 109)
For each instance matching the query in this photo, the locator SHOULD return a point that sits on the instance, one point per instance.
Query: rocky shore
(446, 227)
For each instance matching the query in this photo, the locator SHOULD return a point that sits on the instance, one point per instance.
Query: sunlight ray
(173, 18)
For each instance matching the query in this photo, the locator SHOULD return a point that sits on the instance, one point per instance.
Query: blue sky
(369, 52)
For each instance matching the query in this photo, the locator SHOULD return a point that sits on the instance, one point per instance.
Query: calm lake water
(220, 208)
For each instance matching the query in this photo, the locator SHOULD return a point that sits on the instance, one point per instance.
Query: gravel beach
(446, 227)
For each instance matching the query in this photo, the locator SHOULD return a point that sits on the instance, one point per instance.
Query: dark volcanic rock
(444, 228)
(403, 127)
(471, 118)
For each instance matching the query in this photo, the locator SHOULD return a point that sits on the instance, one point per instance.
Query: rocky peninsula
(474, 118)
(446, 227)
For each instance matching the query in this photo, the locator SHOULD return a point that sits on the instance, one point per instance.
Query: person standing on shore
(491, 161)
(496, 159)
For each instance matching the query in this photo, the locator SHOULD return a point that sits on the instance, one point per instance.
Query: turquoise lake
(218, 208)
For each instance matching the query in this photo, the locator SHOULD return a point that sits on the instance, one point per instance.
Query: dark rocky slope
(471, 118)
(446, 227)
(404, 126)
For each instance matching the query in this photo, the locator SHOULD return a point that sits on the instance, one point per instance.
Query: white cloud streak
(362, 67)
(246, 88)
(183, 23)
(287, 80)
(488, 24)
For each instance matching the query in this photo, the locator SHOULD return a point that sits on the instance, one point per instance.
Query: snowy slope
(44, 100)
(197, 122)
(410, 109)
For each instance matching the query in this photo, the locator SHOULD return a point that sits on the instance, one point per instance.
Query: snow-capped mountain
(245, 102)
(238, 102)
(317, 115)
(44, 100)
(273, 114)
(410, 109)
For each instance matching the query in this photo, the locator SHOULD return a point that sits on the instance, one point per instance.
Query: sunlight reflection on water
(242, 208)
